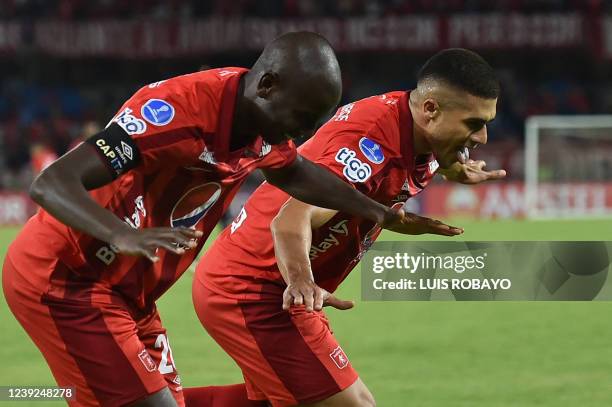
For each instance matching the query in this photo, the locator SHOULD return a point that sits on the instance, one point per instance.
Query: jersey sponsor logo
(344, 112)
(338, 230)
(129, 123)
(227, 72)
(156, 84)
(194, 205)
(371, 150)
(108, 254)
(147, 361)
(157, 112)
(339, 358)
(208, 157)
(354, 170)
(433, 166)
(135, 220)
(265, 149)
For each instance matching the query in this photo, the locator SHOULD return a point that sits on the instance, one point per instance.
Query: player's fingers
(186, 232)
(298, 299)
(168, 246)
(287, 297)
(494, 175)
(177, 237)
(309, 300)
(337, 303)
(440, 228)
(320, 296)
(480, 164)
(190, 233)
(149, 254)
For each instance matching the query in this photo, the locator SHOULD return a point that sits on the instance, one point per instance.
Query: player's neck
(419, 135)
(242, 123)
(419, 140)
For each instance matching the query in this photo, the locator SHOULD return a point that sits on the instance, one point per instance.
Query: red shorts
(286, 357)
(108, 355)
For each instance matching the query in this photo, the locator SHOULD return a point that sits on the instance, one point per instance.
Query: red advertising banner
(146, 39)
(507, 200)
(15, 208)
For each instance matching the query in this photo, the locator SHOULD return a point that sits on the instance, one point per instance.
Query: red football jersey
(186, 176)
(369, 144)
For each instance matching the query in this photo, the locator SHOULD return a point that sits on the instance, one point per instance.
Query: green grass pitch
(415, 354)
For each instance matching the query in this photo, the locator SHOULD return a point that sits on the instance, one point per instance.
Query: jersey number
(239, 220)
(167, 364)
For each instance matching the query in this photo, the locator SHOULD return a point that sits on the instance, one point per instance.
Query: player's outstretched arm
(314, 185)
(292, 233)
(61, 189)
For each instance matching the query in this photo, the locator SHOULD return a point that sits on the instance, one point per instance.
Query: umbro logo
(127, 150)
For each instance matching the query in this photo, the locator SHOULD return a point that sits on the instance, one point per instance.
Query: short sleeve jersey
(368, 144)
(174, 169)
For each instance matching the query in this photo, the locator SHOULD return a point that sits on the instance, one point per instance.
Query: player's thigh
(276, 350)
(357, 395)
(93, 348)
(157, 347)
(223, 320)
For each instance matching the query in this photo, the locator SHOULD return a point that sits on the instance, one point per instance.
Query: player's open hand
(313, 297)
(472, 172)
(145, 242)
(410, 224)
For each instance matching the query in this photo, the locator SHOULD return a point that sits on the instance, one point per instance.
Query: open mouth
(463, 155)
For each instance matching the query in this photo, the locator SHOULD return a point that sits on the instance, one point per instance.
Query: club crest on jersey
(157, 112)
(355, 170)
(372, 151)
(194, 205)
(147, 361)
(339, 358)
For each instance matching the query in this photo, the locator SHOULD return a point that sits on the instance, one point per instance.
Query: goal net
(568, 166)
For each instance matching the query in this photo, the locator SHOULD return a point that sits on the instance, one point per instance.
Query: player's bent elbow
(44, 185)
(37, 189)
(278, 225)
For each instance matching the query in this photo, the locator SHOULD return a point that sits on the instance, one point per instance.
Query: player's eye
(475, 125)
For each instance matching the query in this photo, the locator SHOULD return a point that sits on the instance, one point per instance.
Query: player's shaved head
(293, 85)
(306, 55)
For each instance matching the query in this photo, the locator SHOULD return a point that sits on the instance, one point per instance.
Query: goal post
(568, 166)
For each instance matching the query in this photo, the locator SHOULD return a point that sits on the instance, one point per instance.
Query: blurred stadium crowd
(85, 9)
(48, 103)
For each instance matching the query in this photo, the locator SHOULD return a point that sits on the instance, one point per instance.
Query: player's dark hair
(463, 69)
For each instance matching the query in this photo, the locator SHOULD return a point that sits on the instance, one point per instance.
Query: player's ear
(431, 109)
(267, 83)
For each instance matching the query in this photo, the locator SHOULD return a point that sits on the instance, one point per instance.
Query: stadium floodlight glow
(568, 166)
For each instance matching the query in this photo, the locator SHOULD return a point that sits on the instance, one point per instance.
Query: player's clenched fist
(307, 293)
(145, 242)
